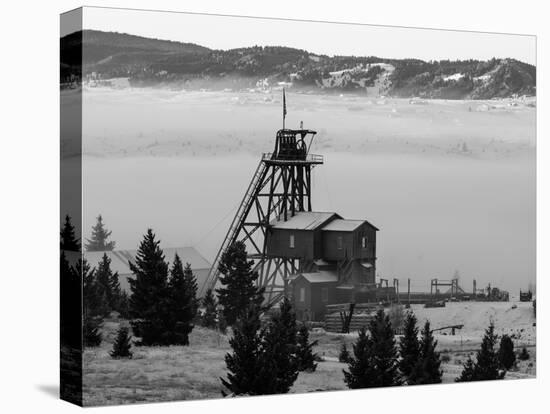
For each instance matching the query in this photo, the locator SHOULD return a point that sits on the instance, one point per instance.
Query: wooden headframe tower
(280, 187)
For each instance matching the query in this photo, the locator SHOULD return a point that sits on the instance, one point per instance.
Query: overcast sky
(221, 32)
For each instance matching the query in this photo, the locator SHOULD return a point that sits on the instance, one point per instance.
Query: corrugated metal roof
(304, 220)
(343, 225)
(322, 276)
(346, 225)
(120, 258)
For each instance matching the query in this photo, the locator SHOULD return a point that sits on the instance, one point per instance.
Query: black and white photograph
(276, 213)
(274, 207)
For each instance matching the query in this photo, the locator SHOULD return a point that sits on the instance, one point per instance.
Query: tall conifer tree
(104, 284)
(92, 299)
(238, 291)
(70, 288)
(487, 364)
(210, 305)
(182, 291)
(99, 241)
(375, 361)
(246, 363)
(148, 302)
(68, 238)
(361, 371)
(409, 346)
(428, 367)
(280, 346)
(304, 352)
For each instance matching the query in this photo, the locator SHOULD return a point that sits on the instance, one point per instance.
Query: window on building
(364, 242)
(339, 243)
(291, 241)
(302, 294)
(324, 294)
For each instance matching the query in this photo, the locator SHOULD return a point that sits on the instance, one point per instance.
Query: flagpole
(284, 108)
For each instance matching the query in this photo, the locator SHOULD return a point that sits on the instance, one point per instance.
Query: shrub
(344, 355)
(524, 355)
(122, 345)
(304, 353)
(506, 354)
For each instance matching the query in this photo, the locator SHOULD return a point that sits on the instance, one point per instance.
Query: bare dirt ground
(193, 372)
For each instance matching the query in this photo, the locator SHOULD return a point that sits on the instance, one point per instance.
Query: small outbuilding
(311, 292)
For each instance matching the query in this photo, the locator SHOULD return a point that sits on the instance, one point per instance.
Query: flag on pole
(284, 107)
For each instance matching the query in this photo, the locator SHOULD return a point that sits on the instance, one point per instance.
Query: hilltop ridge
(154, 62)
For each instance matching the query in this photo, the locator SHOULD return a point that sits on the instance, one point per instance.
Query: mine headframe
(280, 187)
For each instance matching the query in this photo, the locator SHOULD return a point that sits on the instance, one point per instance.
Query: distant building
(120, 263)
(337, 259)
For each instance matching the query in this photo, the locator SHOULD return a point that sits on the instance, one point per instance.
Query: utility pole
(396, 288)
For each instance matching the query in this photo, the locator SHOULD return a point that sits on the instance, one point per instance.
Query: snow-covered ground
(171, 373)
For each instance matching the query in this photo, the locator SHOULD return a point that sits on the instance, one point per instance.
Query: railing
(315, 158)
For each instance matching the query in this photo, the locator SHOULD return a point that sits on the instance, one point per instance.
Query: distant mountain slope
(150, 62)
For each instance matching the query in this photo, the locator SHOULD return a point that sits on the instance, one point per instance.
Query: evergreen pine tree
(375, 361)
(69, 241)
(409, 346)
(384, 350)
(122, 344)
(427, 370)
(182, 289)
(361, 367)
(280, 345)
(506, 354)
(99, 242)
(70, 288)
(92, 299)
(91, 334)
(468, 371)
(246, 362)
(238, 290)
(487, 362)
(119, 299)
(344, 355)
(104, 285)
(209, 315)
(70, 303)
(123, 305)
(148, 302)
(304, 353)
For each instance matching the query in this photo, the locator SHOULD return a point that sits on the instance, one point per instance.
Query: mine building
(337, 259)
(314, 258)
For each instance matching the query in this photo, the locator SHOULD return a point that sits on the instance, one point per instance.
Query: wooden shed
(311, 292)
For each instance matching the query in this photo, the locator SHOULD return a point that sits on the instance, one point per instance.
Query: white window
(324, 294)
(339, 243)
(291, 241)
(364, 242)
(302, 294)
